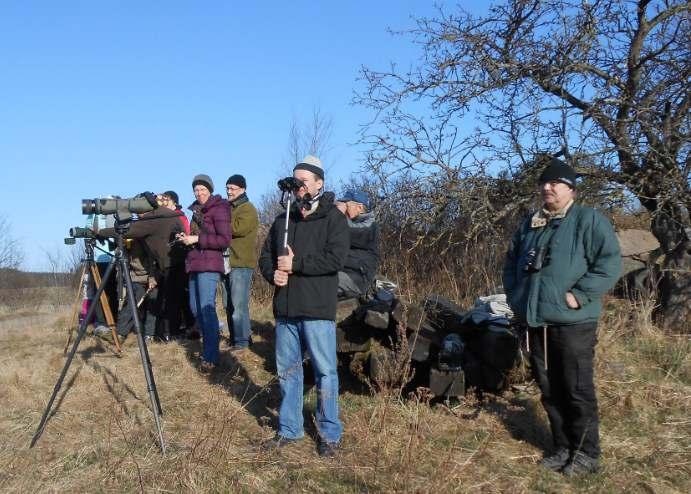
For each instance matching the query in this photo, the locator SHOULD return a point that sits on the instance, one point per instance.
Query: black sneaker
(327, 449)
(556, 461)
(581, 464)
(277, 442)
(207, 367)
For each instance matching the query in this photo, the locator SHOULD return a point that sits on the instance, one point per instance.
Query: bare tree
(606, 82)
(304, 137)
(11, 255)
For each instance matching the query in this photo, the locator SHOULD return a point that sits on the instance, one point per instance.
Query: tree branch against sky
(308, 135)
(606, 82)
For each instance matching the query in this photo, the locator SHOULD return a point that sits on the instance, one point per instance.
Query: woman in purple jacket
(209, 236)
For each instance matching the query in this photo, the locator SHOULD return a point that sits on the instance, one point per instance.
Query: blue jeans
(318, 336)
(236, 300)
(203, 305)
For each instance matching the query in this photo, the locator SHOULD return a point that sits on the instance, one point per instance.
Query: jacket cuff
(297, 264)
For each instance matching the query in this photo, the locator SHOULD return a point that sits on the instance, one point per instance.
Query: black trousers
(171, 300)
(125, 322)
(567, 386)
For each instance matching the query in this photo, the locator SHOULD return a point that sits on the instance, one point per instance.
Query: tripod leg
(106, 308)
(80, 335)
(144, 354)
(75, 311)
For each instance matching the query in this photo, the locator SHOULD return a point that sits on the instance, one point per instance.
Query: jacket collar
(320, 208)
(242, 199)
(544, 216)
(212, 201)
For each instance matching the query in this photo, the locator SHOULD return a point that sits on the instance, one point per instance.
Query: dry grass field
(101, 435)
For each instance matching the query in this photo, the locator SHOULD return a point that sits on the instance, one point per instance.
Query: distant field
(101, 437)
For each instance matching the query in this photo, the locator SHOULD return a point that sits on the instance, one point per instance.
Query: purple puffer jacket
(213, 222)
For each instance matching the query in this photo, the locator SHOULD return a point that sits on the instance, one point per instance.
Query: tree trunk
(675, 289)
(674, 312)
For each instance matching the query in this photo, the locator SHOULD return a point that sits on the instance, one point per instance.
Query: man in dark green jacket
(242, 258)
(560, 263)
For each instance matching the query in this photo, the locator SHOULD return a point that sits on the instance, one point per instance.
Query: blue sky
(111, 97)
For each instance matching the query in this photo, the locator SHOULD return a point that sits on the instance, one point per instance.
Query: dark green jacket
(582, 256)
(244, 225)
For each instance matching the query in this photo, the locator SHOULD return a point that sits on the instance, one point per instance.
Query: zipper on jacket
(544, 344)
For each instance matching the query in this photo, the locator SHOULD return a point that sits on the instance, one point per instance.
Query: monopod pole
(285, 233)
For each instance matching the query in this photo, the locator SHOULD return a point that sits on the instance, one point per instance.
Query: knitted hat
(237, 180)
(558, 171)
(173, 197)
(204, 180)
(356, 196)
(311, 164)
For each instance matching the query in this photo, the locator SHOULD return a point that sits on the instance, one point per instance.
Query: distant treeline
(14, 278)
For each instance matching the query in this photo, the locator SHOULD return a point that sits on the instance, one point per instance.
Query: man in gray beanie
(304, 303)
(560, 263)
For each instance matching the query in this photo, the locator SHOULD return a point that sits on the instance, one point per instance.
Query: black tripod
(91, 274)
(119, 258)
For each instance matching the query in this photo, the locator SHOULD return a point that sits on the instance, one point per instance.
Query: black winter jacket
(320, 244)
(363, 257)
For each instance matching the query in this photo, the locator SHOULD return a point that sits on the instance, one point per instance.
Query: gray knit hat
(204, 180)
(311, 164)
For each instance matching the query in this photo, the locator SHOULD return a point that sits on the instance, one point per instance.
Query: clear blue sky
(118, 97)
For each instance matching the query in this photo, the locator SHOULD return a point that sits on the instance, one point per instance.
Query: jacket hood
(363, 220)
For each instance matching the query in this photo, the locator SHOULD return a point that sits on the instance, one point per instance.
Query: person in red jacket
(209, 237)
(173, 296)
(171, 200)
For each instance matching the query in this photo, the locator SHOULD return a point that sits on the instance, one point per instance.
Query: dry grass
(102, 438)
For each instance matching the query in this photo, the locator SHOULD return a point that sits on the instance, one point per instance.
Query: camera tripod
(119, 259)
(90, 271)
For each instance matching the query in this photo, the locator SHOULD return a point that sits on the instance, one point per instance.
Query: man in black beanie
(242, 257)
(560, 263)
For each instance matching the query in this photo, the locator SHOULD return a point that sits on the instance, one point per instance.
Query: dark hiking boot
(102, 330)
(556, 461)
(206, 367)
(327, 449)
(581, 464)
(277, 442)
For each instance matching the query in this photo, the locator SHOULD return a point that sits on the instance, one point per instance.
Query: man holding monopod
(560, 263)
(303, 252)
